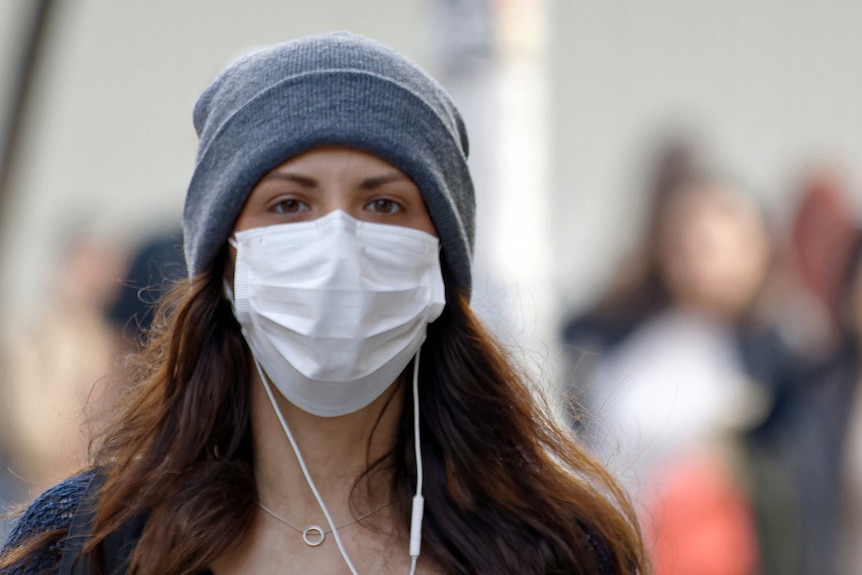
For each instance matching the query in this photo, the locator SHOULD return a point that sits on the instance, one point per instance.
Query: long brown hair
(508, 489)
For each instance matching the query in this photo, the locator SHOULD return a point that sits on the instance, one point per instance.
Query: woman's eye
(383, 206)
(290, 206)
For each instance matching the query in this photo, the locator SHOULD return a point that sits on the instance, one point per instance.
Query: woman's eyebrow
(377, 181)
(303, 181)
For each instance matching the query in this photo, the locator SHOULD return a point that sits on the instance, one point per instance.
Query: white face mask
(334, 309)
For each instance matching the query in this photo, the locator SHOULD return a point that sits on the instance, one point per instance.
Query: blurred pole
(20, 91)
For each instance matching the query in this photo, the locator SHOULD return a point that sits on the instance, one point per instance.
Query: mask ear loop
(417, 512)
(228, 286)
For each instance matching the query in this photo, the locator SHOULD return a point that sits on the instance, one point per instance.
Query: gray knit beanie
(335, 89)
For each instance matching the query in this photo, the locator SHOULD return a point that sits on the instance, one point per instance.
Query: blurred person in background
(52, 363)
(636, 290)
(675, 394)
(851, 472)
(661, 366)
(58, 372)
(809, 369)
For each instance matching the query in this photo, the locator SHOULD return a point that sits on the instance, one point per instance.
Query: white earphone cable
(417, 511)
(305, 471)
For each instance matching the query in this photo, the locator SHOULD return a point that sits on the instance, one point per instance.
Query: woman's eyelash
(289, 206)
(385, 205)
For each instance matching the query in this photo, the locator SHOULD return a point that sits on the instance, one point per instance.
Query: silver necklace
(313, 535)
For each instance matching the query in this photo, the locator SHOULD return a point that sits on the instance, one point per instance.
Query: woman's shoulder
(607, 566)
(51, 511)
(603, 554)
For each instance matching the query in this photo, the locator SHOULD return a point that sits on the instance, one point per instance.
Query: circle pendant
(313, 535)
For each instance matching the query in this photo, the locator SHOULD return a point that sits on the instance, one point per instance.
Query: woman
(282, 418)
(676, 393)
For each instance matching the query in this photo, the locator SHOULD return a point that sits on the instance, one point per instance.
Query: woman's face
(319, 181)
(714, 250)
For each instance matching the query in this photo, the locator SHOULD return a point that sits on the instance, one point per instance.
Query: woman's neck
(336, 452)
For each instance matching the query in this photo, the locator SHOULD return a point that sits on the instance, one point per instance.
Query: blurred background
(667, 232)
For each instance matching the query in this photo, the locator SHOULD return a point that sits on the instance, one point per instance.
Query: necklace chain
(313, 535)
